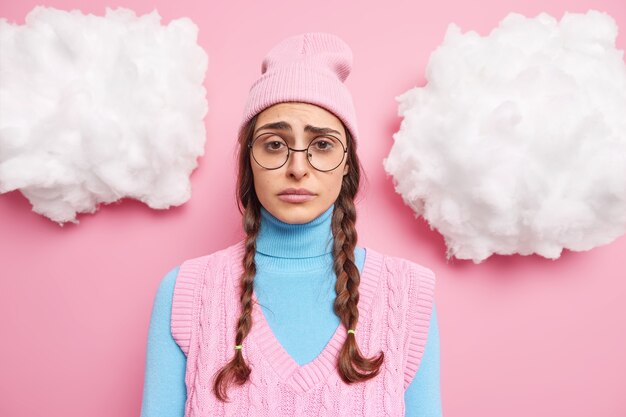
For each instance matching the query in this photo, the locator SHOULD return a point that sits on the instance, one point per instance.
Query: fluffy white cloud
(517, 144)
(95, 109)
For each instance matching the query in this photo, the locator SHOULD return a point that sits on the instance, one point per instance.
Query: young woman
(296, 319)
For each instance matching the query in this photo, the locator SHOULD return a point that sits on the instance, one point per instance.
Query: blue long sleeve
(164, 387)
(164, 391)
(423, 396)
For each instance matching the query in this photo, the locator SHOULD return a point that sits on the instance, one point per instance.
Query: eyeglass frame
(289, 149)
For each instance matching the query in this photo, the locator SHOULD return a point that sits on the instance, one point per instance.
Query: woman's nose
(298, 164)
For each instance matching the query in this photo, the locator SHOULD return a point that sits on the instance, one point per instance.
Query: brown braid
(237, 370)
(348, 278)
(350, 361)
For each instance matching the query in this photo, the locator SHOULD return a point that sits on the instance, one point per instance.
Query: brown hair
(352, 366)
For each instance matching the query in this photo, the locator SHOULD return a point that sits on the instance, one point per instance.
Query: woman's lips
(296, 198)
(296, 195)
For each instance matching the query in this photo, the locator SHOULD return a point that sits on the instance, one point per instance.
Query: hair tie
(352, 331)
(238, 347)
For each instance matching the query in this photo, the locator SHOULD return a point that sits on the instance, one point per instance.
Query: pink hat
(309, 68)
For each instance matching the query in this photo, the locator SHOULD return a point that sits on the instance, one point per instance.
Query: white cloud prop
(517, 144)
(95, 109)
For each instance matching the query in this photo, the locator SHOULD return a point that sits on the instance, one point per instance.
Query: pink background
(520, 336)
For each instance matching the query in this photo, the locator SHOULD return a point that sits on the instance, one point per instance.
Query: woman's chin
(296, 213)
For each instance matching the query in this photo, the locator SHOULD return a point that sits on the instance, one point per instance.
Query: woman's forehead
(289, 116)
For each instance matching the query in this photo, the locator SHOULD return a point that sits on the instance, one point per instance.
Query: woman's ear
(346, 169)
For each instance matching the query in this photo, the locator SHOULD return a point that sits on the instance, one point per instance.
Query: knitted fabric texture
(395, 306)
(309, 68)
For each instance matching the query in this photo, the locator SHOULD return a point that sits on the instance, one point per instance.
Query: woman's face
(299, 124)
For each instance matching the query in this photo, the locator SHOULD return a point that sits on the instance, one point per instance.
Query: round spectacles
(324, 153)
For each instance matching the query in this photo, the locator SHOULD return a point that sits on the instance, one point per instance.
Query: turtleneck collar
(284, 240)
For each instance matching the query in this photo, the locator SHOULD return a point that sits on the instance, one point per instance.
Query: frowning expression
(296, 192)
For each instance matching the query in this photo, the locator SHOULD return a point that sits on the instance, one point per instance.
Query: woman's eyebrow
(276, 126)
(308, 128)
(320, 130)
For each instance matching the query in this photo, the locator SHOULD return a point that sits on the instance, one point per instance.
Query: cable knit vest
(395, 305)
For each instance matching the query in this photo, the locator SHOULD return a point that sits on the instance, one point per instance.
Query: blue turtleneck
(295, 285)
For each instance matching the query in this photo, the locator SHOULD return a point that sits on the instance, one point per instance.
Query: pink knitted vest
(395, 305)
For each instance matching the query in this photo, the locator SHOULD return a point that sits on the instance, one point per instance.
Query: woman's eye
(274, 145)
(323, 145)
